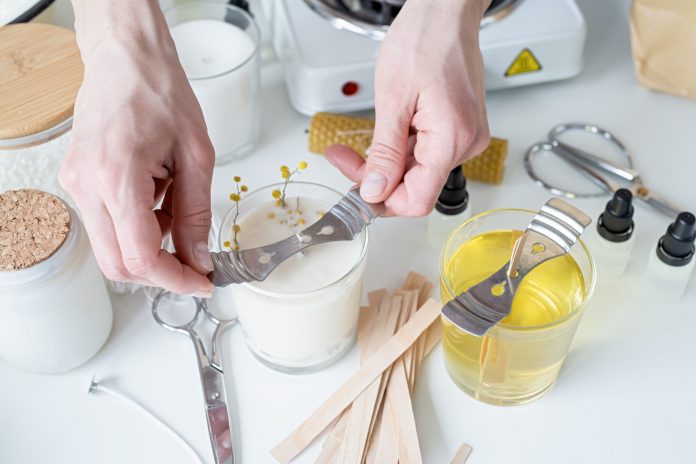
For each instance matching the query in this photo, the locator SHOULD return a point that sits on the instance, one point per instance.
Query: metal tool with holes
(211, 372)
(606, 174)
(552, 233)
(344, 221)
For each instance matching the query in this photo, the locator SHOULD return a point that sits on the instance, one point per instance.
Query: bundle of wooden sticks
(370, 418)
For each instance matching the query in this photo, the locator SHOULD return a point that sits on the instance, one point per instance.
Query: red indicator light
(350, 88)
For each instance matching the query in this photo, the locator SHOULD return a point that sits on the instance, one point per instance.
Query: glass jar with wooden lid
(40, 75)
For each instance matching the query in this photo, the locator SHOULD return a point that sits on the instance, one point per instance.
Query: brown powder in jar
(33, 225)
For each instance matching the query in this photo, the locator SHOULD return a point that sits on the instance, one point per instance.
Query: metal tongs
(552, 233)
(344, 221)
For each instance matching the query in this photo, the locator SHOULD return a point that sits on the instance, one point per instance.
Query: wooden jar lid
(40, 74)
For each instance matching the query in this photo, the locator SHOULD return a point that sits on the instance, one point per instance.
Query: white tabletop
(625, 393)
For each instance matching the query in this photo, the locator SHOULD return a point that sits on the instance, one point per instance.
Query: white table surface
(625, 394)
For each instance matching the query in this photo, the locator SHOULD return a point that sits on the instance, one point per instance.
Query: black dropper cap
(454, 198)
(616, 222)
(676, 247)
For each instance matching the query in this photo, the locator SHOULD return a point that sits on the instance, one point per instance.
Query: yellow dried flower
(279, 203)
(236, 247)
(302, 165)
(226, 244)
(244, 188)
(300, 221)
(235, 197)
(271, 215)
(276, 193)
(236, 228)
(237, 179)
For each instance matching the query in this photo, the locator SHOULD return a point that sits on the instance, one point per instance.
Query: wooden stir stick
(299, 439)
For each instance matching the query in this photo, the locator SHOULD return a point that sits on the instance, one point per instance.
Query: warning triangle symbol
(525, 62)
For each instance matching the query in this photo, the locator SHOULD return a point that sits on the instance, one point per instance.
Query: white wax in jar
(306, 319)
(220, 61)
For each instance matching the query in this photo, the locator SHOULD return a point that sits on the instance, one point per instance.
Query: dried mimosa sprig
(287, 174)
(236, 197)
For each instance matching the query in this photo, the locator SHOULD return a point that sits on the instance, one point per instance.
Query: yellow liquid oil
(518, 359)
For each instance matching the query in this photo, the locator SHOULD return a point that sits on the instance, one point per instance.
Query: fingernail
(202, 256)
(203, 294)
(373, 184)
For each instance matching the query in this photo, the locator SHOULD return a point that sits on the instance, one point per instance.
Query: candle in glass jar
(305, 313)
(221, 62)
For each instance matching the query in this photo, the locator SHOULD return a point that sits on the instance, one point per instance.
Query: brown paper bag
(663, 42)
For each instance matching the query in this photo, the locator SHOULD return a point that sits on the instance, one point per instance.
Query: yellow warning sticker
(524, 63)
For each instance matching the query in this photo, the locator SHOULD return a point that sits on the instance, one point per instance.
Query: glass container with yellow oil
(518, 359)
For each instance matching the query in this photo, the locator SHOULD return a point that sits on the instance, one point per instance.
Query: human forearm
(473, 9)
(130, 24)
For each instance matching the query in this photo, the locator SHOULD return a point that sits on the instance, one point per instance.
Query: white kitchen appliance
(328, 47)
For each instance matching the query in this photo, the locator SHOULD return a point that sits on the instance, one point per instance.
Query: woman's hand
(429, 106)
(139, 136)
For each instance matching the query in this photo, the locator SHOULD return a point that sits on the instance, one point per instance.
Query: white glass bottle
(671, 264)
(612, 242)
(451, 210)
(55, 311)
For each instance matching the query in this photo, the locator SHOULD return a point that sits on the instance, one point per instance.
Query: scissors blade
(624, 172)
(217, 415)
(586, 170)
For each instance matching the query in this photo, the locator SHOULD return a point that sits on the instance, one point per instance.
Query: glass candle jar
(218, 46)
(518, 359)
(303, 317)
(38, 88)
(55, 312)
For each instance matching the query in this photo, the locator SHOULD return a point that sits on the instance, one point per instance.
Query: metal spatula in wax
(552, 232)
(344, 221)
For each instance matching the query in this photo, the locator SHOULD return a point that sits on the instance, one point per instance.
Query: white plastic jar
(55, 312)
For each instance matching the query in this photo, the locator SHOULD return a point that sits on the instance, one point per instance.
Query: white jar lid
(40, 75)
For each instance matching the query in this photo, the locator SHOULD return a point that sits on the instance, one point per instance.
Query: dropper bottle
(670, 266)
(613, 243)
(451, 209)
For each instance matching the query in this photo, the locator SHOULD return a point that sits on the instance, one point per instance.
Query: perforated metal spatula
(552, 232)
(344, 221)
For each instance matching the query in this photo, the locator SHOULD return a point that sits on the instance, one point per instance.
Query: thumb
(191, 211)
(387, 158)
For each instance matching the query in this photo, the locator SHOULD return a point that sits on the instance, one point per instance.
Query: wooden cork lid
(40, 74)
(33, 226)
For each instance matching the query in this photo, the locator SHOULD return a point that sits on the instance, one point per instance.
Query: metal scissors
(210, 368)
(605, 173)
